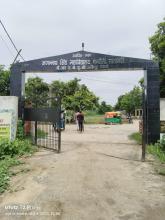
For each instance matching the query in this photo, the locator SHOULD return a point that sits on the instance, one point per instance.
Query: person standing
(80, 119)
(76, 114)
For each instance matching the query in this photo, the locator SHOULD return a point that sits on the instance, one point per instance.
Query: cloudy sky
(53, 27)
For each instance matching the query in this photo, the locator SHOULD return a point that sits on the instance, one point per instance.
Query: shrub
(8, 153)
(17, 147)
(158, 149)
(4, 172)
(136, 137)
(162, 143)
(20, 130)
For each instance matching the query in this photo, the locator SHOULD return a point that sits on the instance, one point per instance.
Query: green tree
(130, 101)
(36, 92)
(103, 107)
(4, 81)
(157, 42)
(74, 95)
(58, 88)
(118, 105)
(84, 99)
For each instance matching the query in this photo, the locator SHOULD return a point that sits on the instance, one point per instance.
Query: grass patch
(9, 157)
(157, 152)
(94, 119)
(41, 133)
(161, 171)
(136, 137)
(5, 173)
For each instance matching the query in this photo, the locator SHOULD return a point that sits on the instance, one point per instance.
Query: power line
(7, 46)
(104, 81)
(11, 40)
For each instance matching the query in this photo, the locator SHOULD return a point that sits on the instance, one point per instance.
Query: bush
(136, 137)
(162, 143)
(8, 157)
(4, 172)
(41, 133)
(17, 147)
(158, 150)
(9, 151)
(20, 130)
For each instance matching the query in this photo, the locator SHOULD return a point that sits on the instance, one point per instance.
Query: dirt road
(98, 176)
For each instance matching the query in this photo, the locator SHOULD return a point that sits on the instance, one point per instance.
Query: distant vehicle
(112, 118)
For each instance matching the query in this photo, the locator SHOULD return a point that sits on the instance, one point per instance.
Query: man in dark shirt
(80, 119)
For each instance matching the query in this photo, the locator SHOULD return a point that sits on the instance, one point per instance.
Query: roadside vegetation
(136, 137)
(92, 117)
(10, 155)
(158, 151)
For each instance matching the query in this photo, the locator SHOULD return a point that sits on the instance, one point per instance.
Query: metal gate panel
(47, 135)
(45, 125)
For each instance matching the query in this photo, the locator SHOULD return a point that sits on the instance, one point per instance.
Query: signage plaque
(8, 117)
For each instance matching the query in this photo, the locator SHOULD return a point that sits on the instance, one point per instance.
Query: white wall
(162, 109)
(9, 113)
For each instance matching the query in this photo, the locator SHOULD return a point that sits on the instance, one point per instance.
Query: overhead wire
(12, 42)
(10, 51)
(104, 81)
(92, 79)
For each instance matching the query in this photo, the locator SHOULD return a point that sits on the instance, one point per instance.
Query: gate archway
(88, 61)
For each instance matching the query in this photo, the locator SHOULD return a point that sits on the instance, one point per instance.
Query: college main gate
(87, 61)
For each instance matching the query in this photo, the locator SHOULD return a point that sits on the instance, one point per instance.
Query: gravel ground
(98, 176)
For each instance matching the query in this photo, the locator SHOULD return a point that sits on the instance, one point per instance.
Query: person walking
(80, 119)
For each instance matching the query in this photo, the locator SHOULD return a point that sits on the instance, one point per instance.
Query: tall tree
(74, 95)
(157, 42)
(4, 81)
(104, 107)
(130, 101)
(36, 92)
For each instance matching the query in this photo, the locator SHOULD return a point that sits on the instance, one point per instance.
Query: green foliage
(4, 81)
(130, 101)
(141, 82)
(158, 150)
(74, 95)
(17, 147)
(41, 133)
(157, 42)
(94, 119)
(5, 173)
(161, 171)
(136, 137)
(103, 107)
(8, 153)
(58, 88)
(161, 143)
(20, 130)
(36, 92)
